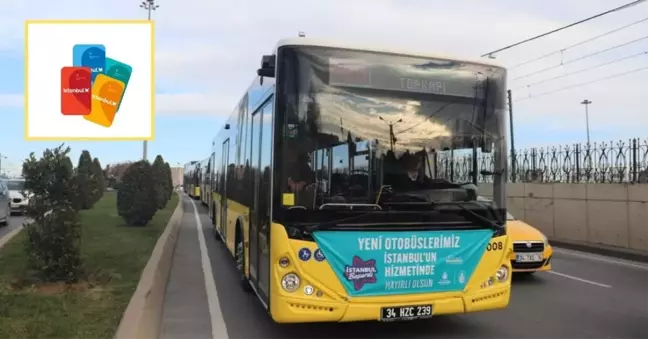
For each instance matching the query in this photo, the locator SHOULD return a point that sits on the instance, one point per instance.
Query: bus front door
(223, 190)
(255, 160)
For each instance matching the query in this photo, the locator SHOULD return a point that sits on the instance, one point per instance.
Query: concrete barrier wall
(598, 214)
(144, 311)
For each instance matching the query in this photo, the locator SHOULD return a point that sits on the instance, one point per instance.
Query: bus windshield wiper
(329, 224)
(466, 211)
(472, 215)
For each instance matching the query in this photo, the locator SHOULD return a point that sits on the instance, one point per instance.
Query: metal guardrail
(623, 161)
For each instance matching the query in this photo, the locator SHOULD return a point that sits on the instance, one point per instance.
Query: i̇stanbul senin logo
(94, 86)
(361, 272)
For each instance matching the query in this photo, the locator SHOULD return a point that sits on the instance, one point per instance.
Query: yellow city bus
(205, 184)
(191, 183)
(336, 193)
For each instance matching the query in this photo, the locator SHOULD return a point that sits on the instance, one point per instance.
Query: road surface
(586, 296)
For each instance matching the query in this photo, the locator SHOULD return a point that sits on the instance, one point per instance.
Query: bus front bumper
(286, 309)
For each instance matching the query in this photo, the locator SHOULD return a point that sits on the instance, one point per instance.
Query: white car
(5, 201)
(16, 193)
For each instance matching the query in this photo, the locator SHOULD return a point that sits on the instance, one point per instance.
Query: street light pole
(1, 157)
(587, 103)
(148, 5)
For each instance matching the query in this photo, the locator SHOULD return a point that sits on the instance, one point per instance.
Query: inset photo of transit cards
(103, 72)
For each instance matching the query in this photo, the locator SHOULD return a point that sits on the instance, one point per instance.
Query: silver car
(19, 198)
(5, 204)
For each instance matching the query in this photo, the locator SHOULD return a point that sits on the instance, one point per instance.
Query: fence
(614, 162)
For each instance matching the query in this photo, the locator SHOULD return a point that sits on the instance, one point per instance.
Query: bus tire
(240, 259)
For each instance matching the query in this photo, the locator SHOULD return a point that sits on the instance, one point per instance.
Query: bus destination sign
(403, 77)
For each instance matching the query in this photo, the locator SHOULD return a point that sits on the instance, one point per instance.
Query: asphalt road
(15, 221)
(586, 296)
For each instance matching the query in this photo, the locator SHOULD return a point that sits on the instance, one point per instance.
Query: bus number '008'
(496, 246)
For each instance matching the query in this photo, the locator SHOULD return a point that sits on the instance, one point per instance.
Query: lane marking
(219, 330)
(579, 279)
(601, 258)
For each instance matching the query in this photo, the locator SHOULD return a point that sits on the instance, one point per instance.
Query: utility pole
(392, 137)
(513, 156)
(148, 5)
(587, 103)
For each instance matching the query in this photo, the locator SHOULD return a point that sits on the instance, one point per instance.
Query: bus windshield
(364, 128)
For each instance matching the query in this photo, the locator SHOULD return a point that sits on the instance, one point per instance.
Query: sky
(207, 53)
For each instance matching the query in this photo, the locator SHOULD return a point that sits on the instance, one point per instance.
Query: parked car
(532, 249)
(5, 204)
(17, 194)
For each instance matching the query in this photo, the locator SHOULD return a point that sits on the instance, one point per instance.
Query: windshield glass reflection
(389, 140)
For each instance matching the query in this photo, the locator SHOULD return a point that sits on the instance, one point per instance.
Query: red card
(76, 94)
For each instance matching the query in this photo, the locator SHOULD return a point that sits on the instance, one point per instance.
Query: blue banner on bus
(387, 263)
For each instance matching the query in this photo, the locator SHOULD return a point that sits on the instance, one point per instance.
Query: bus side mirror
(266, 72)
(267, 67)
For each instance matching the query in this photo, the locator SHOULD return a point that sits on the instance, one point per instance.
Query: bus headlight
(502, 273)
(284, 262)
(545, 240)
(488, 283)
(290, 282)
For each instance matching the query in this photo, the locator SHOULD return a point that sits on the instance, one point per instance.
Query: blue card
(90, 55)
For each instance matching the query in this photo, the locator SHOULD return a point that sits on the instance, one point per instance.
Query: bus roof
(340, 44)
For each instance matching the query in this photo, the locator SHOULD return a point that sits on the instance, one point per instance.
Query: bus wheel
(240, 261)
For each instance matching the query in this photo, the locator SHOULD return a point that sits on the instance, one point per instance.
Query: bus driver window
(301, 178)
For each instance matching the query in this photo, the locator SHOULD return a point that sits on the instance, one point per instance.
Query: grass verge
(114, 257)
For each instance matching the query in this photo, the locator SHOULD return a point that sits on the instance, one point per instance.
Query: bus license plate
(528, 257)
(406, 312)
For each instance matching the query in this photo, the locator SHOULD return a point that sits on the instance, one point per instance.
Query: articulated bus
(191, 182)
(186, 177)
(333, 192)
(205, 181)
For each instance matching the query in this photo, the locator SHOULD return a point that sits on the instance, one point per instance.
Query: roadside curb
(144, 312)
(620, 253)
(5, 240)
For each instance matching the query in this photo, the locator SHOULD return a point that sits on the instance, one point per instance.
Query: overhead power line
(628, 5)
(584, 70)
(580, 43)
(616, 75)
(580, 58)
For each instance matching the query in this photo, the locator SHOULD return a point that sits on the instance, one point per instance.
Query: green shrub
(53, 238)
(85, 186)
(136, 202)
(112, 182)
(169, 180)
(99, 179)
(159, 175)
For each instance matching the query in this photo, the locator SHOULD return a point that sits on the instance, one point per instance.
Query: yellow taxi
(532, 252)
(531, 247)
